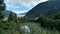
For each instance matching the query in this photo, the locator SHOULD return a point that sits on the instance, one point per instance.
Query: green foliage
(1, 16)
(2, 5)
(12, 17)
(10, 26)
(56, 16)
(37, 29)
(2, 8)
(50, 23)
(23, 20)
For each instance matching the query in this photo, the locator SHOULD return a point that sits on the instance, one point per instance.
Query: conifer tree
(2, 8)
(12, 17)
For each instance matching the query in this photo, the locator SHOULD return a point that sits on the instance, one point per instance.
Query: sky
(21, 6)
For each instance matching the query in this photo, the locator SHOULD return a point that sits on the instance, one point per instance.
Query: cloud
(27, 3)
(21, 5)
(18, 12)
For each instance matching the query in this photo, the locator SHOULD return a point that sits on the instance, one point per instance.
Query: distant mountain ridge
(6, 13)
(46, 8)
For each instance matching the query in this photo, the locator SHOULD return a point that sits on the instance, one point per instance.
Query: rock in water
(25, 29)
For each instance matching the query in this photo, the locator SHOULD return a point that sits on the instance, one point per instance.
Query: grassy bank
(37, 29)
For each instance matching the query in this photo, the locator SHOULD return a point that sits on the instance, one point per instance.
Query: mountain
(6, 13)
(47, 8)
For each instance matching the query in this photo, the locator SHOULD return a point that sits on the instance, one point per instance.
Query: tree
(12, 17)
(56, 16)
(47, 22)
(2, 5)
(2, 8)
(1, 16)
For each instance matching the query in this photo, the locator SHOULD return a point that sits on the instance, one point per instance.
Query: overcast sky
(20, 6)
